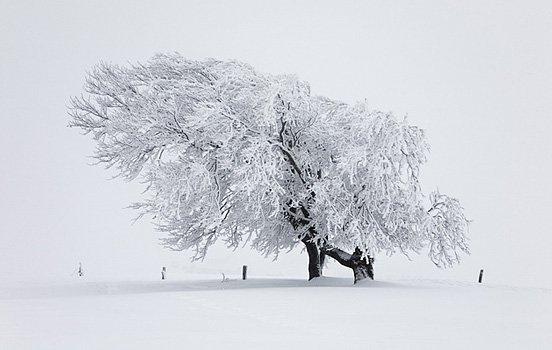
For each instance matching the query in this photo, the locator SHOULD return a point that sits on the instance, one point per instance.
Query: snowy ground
(200, 312)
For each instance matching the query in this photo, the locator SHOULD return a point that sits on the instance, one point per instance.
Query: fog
(475, 75)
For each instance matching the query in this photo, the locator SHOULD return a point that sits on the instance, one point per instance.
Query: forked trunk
(362, 267)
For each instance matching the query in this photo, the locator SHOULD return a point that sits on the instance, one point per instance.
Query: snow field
(268, 313)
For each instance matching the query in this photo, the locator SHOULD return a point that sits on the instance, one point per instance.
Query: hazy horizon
(476, 76)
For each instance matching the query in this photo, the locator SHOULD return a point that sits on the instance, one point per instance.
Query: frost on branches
(231, 154)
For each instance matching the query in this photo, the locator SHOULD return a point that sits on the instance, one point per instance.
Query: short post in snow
(481, 276)
(163, 272)
(244, 272)
(80, 272)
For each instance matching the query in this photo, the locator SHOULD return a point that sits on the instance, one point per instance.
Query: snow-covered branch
(231, 154)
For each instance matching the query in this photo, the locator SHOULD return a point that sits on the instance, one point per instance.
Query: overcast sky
(477, 75)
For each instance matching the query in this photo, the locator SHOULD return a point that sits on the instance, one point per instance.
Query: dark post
(163, 272)
(481, 276)
(244, 272)
(79, 271)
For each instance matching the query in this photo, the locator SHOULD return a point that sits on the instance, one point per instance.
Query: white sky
(476, 75)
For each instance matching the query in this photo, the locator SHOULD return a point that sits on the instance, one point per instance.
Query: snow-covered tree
(234, 155)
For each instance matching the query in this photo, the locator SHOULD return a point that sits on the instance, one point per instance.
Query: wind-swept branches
(231, 154)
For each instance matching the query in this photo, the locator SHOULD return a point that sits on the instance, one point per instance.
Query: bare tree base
(362, 267)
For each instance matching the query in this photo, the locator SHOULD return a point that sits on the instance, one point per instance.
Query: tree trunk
(362, 267)
(315, 268)
(322, 261)
(315, 257)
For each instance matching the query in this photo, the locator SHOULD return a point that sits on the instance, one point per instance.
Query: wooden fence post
(481, 276)
(244, 272)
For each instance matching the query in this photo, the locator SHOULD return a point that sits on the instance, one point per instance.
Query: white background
(476, 75)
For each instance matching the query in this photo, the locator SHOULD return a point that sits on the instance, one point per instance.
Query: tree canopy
(235, 155)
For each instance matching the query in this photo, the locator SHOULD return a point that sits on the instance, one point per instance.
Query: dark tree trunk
(315, 268)
(362, 267)
(322, 261)
(315, 258)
